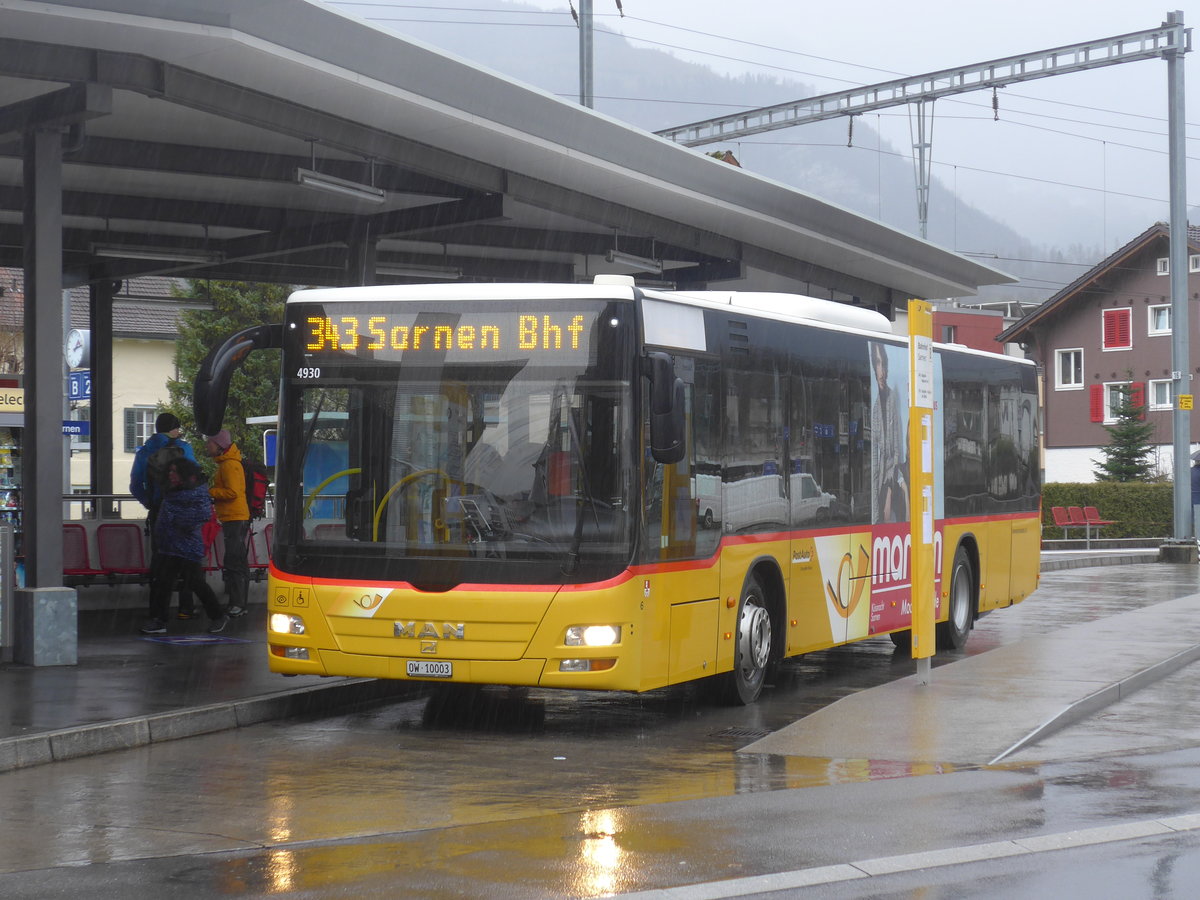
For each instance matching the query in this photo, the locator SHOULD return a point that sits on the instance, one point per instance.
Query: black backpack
(156, 464)
(257, 482)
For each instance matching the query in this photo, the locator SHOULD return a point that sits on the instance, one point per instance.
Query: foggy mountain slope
(653, 90)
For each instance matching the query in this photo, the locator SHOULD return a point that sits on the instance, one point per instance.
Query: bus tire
(902, 639)
(953, 633)
(752, 649)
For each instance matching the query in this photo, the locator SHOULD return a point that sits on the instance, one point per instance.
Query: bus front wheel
(952, 634)
(752, 652)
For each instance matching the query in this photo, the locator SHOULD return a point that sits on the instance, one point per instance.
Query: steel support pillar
(586, 94)
(1180, 350)
(41, 455)
(921, 124)
(100, 309)
(44, 629)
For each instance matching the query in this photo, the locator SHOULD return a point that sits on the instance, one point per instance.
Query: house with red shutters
(1109, 328)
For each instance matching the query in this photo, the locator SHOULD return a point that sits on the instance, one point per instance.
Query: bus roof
(464, 291)
(775, 304)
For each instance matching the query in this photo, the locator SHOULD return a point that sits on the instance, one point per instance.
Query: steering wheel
(399, 486)
(308, 502)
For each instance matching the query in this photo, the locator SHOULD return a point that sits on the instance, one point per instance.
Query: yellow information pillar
(920, 479)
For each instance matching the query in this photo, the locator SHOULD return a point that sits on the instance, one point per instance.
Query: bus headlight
(285, 623)
(291, 652)
(593, 635)
(586, 665)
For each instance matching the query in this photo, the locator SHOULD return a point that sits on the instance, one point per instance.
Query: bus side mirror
(210, 391)
(667, 422)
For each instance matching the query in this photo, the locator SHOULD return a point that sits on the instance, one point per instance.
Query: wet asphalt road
(542, 794)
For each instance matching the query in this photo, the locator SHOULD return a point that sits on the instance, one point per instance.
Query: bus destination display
(441, 336)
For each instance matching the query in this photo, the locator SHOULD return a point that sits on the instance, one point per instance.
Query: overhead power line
(524, 12)
(1012, 116)
(920, 92)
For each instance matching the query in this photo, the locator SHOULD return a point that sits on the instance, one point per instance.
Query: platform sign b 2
(79, 385)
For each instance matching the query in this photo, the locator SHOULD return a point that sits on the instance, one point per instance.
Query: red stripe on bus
(653, 568)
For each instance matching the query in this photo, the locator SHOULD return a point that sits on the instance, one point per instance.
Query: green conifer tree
(1125, 457)
(254, 389)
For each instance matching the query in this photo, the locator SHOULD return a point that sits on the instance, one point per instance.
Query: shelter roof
(204, 114)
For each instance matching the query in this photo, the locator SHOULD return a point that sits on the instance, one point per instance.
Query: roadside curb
(1105, 697)
(139, 731)
(1121, 559)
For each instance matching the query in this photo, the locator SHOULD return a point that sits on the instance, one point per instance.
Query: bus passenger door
(680, 549)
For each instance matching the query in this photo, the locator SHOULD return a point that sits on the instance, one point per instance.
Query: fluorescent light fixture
(436, 273)
(156, 254)
(333, 185)
(641, 263)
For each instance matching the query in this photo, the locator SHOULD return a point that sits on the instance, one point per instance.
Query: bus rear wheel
(752, 652)
(952, 634)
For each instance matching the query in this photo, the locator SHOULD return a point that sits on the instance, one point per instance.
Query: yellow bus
(612, 488)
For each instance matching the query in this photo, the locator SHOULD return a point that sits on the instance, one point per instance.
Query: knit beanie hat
(222, 439)
(166, 422)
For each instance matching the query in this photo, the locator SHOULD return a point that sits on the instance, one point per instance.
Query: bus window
(467, 459)
(754, 492)
(830, 431)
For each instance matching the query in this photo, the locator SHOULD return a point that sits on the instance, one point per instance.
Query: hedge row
(1140, 510)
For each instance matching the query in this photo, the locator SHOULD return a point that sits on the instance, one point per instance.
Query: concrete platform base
(45, 626)
(1178, 552)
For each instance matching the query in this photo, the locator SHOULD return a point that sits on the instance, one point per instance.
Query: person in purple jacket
(186, 506)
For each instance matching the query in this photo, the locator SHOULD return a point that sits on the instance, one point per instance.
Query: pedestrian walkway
(128, 690)
(979, 710)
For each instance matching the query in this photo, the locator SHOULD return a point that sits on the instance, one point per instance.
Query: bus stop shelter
(283, 141)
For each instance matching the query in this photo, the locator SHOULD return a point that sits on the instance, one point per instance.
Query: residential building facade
(1107, 332)
(145, 326)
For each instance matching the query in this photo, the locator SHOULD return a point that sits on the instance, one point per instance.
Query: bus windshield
(463, 465)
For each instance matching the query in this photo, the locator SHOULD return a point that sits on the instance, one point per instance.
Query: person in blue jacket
(144, 483)
(167, 434)
(185, 506)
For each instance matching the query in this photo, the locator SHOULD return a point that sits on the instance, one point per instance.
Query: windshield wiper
(577, 538)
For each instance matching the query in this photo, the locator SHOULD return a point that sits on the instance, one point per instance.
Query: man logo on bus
(429, 630)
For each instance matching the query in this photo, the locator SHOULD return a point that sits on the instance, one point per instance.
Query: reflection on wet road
(539, 793)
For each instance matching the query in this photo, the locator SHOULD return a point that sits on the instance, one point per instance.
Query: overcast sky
(1095, 141)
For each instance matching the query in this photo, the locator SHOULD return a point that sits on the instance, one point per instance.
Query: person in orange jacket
(228, 491)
